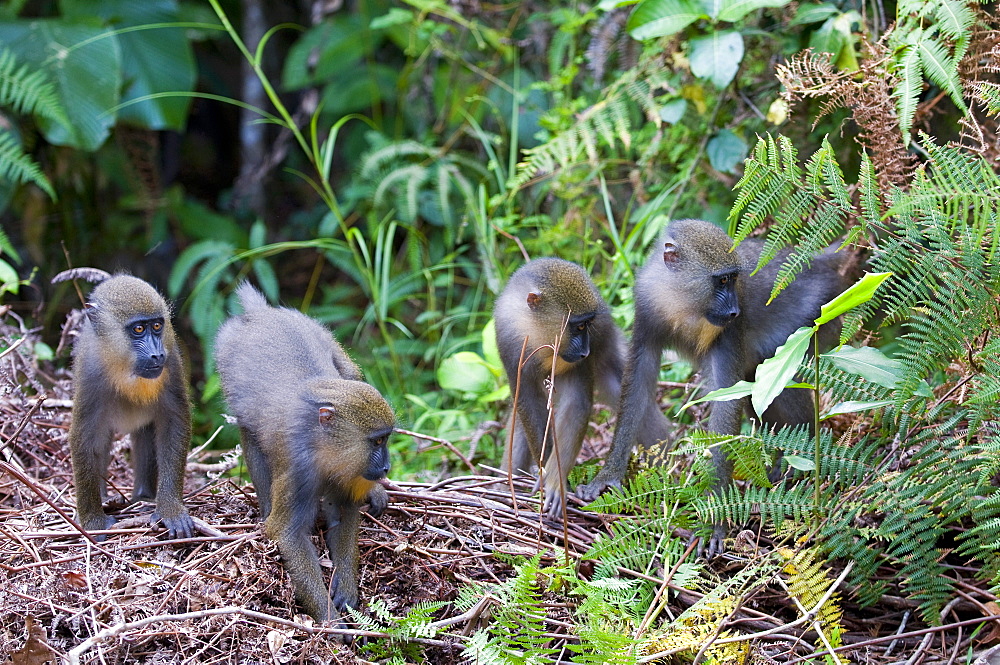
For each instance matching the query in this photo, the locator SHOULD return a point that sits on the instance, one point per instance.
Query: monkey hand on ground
(604, 480)
(378, 500)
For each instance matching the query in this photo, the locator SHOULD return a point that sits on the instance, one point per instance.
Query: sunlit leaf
(861, 292)
(716, 56)
(774, 374)
(660, 18)
(868, 363)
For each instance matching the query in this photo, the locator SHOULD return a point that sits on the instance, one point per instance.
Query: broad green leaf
(608, 5)
(43, 351)
(774, 374)
(8, 278)
(861, 292)
(812, 13)
(800, 463)
(153, 61)
(673, 111)
(735, 391)
(660, 18)
(716, 56)
(853, 407)
(734, 10)
(726, 151)
(491, 354)
(847, 60)
(828, 39)
(868, 363)
(88, 77)
(349, 93)
(337, 44)
(465, 372)
(501, 394)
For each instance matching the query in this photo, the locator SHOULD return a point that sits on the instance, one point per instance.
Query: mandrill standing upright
(129, 378)
(548, 300)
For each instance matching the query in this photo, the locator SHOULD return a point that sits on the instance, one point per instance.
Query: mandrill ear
(327, 414)
(92, 311)
(534, 300)
(670, 253)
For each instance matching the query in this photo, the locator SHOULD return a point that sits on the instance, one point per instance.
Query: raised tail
(250, 297)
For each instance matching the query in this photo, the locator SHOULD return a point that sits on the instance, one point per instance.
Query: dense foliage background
(384, 166)
(480, 135)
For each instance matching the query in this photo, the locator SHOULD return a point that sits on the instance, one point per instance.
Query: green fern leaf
(16, 166)
(28, 92)
(910, 85)
(941, 68)
(954, 18)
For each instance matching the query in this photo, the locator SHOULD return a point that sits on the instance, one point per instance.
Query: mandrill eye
(138, 329)
(157, 326)
(724, 280)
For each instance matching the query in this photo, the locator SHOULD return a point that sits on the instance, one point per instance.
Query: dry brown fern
(866, 93)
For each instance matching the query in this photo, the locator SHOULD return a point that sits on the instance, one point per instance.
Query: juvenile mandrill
(696, 296)
(129, 378)
(546, 300)
(314, 437)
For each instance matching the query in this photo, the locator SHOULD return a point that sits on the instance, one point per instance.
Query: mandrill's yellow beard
(135, 388)
(357, 488)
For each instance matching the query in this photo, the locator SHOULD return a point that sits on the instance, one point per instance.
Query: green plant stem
(816, 451)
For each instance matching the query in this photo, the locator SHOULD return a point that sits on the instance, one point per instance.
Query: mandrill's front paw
(716, 544)
(378, 500)
(343, 591)
(554, 497)
(594, 488)
(98, 522)
(178, 525)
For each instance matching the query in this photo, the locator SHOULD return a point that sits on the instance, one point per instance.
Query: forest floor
(223, 596)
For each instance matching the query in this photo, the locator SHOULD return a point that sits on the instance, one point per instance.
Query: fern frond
(808, 583)
(29, 92)
(911, 83)
(941, 68)
(420, 181)
(810, 208)
(954, 18)
(16, 166)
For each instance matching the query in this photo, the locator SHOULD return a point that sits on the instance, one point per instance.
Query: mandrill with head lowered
(314, 436)
(129, 378)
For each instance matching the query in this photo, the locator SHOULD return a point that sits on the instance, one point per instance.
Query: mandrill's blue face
(725, 305)
(576, 345)
(147, 342)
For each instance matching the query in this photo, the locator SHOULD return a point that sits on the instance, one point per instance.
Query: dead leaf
(75, 579)
(994, 633)
(36, 650)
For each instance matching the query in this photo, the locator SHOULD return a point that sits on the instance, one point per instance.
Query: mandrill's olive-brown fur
(314, 437)
(544, 301)
(130, 378)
